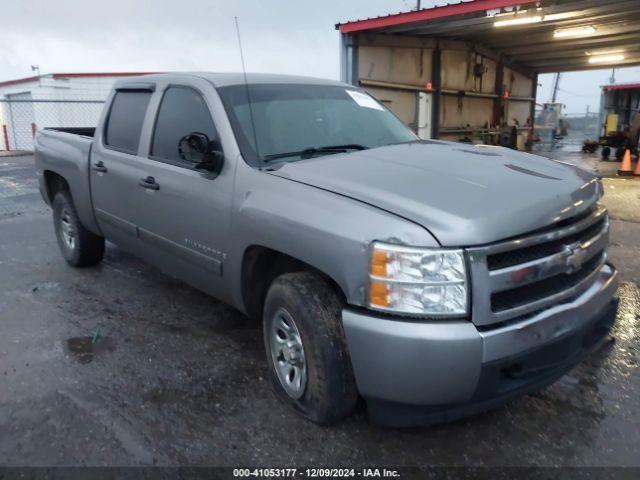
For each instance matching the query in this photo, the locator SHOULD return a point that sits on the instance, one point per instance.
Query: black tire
(330, 394)
(85, 248)
(620, 153)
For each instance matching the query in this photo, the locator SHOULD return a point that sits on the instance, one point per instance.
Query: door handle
(149, 183)
(99, 167)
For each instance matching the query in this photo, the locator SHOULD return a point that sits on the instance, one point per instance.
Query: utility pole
(612, 79)
(418, 5)
(36, 68)
(556, 86)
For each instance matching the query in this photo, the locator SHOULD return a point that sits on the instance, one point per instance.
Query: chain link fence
(20, 118)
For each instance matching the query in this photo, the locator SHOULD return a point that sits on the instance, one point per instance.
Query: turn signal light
(379, 263)
(379, 294)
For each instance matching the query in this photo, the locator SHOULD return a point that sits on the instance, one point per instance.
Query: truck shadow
(189, 367)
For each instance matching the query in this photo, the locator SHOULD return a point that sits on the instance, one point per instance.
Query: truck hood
(464, 195)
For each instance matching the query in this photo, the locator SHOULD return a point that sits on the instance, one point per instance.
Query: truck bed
(66, 152)
(82, 131)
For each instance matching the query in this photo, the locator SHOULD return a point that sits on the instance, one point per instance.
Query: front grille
(523, 255)
(518, 277)
(533, 292)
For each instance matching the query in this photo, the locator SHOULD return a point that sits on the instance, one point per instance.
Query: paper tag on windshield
(364, 100)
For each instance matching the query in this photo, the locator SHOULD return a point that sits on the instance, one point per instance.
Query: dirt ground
(176, 377)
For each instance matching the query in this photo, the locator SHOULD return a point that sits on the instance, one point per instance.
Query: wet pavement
(121, 365)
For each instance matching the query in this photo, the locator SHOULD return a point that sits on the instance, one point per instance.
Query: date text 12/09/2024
(316, 472)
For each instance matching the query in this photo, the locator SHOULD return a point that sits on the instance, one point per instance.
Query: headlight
(600, 186)
(418, 281)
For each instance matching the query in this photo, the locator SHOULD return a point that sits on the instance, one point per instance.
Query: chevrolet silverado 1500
(433, 279)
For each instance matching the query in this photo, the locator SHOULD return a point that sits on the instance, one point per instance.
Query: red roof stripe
(101, 74)
(18, 81)
(429, 14)
(622, 86)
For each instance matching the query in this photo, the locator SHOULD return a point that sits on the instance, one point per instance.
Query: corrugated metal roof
(426, 14)
(534, 46)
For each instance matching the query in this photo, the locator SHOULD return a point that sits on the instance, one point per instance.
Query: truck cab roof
(233, 78)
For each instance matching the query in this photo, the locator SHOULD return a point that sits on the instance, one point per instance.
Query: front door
(185, 213)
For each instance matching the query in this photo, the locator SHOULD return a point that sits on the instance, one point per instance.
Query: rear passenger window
(124, 124)
(182, 111)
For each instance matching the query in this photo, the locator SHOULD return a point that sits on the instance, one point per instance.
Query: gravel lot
(179, 378)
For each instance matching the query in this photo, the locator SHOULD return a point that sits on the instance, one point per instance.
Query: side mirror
(198, 149)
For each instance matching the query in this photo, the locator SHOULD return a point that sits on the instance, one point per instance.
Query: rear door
(115, 169)
(185, 213)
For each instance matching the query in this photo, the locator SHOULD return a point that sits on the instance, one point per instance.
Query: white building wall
(77, 104)
(48, 87)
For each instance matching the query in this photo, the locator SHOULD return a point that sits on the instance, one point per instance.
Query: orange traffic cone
(625, 168)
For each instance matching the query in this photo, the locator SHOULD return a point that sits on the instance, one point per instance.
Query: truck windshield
(294, 122)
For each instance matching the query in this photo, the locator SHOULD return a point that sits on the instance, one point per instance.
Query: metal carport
(469, 70)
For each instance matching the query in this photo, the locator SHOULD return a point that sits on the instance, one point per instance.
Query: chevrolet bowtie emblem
(575, 257)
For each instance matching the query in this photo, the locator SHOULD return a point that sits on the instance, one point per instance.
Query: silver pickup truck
(432, 279)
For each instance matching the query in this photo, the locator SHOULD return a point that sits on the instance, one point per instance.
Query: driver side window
(182, 111)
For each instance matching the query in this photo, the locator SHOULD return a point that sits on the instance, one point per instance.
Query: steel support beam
(436, 80)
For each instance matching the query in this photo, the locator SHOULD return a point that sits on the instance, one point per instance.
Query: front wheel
(79, 246)
(306, 349)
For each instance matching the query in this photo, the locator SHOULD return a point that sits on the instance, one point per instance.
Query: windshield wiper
(309, 152)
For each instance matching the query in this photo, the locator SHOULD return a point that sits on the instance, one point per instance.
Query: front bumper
(415, 372)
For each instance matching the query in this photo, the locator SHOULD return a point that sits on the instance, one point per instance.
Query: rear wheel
(79, 246)
(308, 360)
